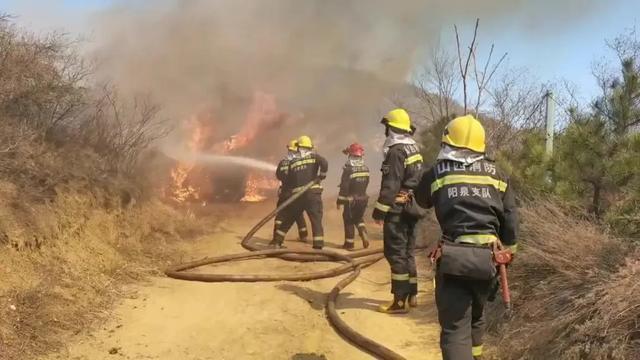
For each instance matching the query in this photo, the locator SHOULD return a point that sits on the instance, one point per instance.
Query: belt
(477, 239)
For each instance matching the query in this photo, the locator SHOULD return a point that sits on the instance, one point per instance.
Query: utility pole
(550, 118)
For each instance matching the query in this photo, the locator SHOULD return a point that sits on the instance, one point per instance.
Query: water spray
(235, 160)
(212, 159)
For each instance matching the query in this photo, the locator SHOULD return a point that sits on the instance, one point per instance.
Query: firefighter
(476, 209)
(307, 167)
(396, 210)
(353, 196)
(285, 192)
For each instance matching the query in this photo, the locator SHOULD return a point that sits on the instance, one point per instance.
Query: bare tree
(464, 69)
(121, 129)
(483, 78)
(437, 85)
(516, 105)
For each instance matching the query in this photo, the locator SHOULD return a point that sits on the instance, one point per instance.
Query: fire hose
(352, 263)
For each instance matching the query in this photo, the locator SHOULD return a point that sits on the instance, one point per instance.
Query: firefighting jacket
(306, 169)
(354, 182)
(401, 172)
(474, 204)
(281, 174)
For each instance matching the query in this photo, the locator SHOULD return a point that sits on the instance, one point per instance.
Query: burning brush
(191, 182)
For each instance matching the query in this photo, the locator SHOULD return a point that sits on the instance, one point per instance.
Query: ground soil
(171, 319)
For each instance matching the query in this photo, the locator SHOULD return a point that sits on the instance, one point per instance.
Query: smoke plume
(330, 65)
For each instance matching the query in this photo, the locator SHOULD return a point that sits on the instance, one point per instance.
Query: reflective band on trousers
(278, 222)
(362, 225)
(476, 350)
(298, 189)
(359, 174)
(468, 179)
(413, 280)
(349, 241)
(318, 238)
(383, 207)
(413, 159)
(400, 277)
(281, 233)
(303, 229)
(348, 198)
(479, 239)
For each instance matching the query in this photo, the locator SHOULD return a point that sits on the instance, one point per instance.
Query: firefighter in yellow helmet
(475, 207)
(397, 211)
(308, 166)
(285, 191)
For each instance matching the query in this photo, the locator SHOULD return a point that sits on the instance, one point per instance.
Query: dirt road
(171, 319)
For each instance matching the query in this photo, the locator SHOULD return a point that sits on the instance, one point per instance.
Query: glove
(379, 215)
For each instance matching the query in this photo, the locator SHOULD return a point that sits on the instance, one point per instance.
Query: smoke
(332, 65)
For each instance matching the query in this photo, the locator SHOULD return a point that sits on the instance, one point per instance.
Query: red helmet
(354, 149)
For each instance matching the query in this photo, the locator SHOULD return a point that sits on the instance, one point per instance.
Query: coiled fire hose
(352, 263)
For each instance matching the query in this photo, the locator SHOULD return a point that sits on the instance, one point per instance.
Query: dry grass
(74, 224)
(69, 243)
(576, 291)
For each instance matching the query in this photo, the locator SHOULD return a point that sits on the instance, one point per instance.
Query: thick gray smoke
(329, 65)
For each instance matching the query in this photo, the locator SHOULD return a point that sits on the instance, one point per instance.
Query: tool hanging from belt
(501, 258)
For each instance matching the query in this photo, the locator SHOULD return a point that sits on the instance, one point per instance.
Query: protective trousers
(311, 203)
(352, 215)
(399, 250)
(303, 233)
(461, 305)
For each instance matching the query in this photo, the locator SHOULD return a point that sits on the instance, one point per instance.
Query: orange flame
(262, 114)
(180, 190)
(252, 192)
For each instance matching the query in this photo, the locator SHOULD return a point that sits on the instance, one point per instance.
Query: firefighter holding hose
(397, 211)
(307, 167)
(353, 196)
(476, 209)
(285, 192)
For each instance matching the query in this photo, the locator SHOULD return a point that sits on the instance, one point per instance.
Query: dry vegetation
(76, 218)
(576, 289)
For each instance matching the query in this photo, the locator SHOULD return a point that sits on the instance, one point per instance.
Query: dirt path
(171, 319)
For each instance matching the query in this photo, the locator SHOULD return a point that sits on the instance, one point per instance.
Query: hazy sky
(550, 54)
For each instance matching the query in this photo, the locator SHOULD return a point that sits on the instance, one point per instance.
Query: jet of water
(235, 160)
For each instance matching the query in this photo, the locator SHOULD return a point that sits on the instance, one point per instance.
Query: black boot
(303, 236)
(318, 243)
(348, 244)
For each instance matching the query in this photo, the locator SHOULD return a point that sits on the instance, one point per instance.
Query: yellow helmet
(292, 145)
(398, 119)
(305, 142)
(465, 132)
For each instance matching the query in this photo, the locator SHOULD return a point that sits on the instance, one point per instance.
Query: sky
(567, 52)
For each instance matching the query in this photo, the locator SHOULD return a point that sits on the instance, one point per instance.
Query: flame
(262, 114)
(187, 180)
(252, 192)
(180, 190)
(256, 186)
